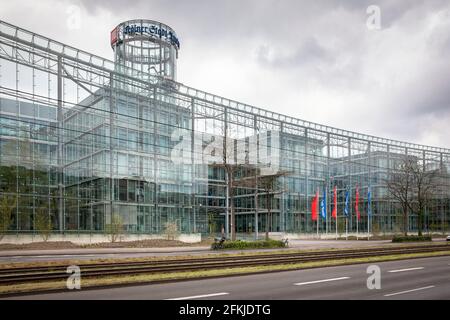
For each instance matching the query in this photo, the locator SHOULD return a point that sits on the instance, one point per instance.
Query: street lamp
(195, 224)
(200, 208)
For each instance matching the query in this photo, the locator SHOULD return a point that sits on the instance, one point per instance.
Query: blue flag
(369, 202)
(347, 195)
(323, 205)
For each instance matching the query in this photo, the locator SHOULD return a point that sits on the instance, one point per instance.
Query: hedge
(239, 244)
(411, 238)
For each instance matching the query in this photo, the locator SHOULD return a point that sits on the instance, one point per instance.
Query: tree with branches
(265, 184)
(399, 185)
(413, 187)
(424, 185)
(230, 167)
(268, 184)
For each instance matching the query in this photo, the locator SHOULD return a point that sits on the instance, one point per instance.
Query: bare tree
(267, 183)
(211, 223)
(230, 171)
(171, 230)
(412, 186)
(233, 162)
(399, 184)
(230, 167)
(424, 185)
(442, 192)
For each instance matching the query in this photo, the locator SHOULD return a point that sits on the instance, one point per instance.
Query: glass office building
(83, 138)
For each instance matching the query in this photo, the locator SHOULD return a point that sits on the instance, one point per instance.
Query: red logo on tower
(114, 35)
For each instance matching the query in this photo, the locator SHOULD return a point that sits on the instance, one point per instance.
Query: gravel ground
(125, 244)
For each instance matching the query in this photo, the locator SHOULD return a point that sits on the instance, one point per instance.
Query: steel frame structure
(82, 83)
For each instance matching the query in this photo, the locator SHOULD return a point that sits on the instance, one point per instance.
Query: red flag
(314, 207)
(358, 215)
(334, 212)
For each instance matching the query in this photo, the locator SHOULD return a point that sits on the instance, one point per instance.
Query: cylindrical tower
(145, 47)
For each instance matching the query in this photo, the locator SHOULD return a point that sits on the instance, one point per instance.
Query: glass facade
(83, 139)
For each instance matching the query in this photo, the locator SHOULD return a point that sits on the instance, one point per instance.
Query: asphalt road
(427, 278)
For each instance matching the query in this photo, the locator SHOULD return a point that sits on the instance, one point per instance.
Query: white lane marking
(403, 270)
(320, 281)
(201, 296)
(408, 291)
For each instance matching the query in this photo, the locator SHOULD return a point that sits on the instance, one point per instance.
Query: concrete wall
(95, 238)
(330, 236)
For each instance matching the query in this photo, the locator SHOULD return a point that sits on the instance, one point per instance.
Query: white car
(448, 238)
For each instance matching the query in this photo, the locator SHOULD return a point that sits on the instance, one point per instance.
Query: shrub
(43, 223)
(264, 244)
(115, 228)
(375, 229)
(411, 238)
(171, 230)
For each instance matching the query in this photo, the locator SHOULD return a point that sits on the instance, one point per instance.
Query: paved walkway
(9, 256)
(293, 244)
(101, 251)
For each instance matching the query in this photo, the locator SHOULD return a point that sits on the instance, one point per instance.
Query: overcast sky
(315, 60)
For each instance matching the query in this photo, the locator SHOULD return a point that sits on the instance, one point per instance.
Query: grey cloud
(290, 44)
(309, 52)
(431, 96)
(321, 40)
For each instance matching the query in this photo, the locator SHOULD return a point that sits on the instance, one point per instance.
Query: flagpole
(346, 228)
(317, 220)
(317, 225)
(314, 211)
(357, 209)
(318, 237)
(326, 210)
(357, 227)
(346, 212)
(335, 209)
(369, 200)
(336, 226)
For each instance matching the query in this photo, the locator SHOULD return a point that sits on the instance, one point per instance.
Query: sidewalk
(293, 244)
(98, 253)
(6, 253)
